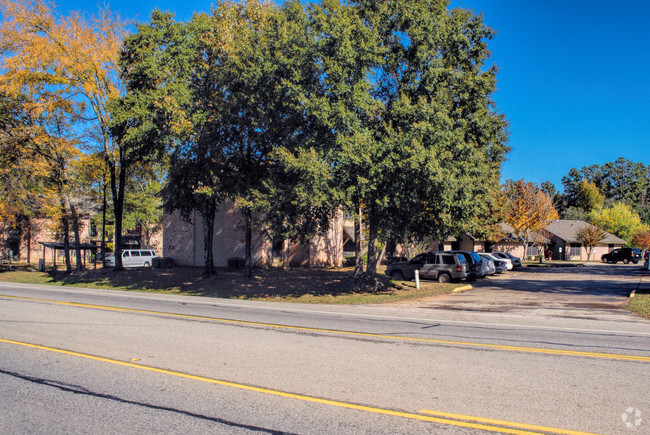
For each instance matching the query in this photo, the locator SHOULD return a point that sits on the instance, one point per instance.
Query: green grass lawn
(300, 285)
(640, 304)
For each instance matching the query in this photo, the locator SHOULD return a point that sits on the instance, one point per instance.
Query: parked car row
(446, 266)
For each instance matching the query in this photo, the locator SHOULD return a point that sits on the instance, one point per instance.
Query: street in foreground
(77, 360)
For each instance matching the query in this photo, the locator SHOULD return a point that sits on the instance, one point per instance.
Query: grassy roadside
(640, 303)
(302, 285)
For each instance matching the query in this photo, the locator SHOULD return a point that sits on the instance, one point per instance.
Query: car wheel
(635, 261)
(146, 264)
(604, 260)
(444, 278)
(399, 276)
(626, 261)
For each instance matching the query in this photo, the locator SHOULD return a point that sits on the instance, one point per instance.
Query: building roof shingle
(567, 230)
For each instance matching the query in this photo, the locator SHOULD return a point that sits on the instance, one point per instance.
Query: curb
(462, 288)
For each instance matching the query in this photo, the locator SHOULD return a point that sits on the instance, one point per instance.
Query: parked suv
(477, 267)
(622, 254)
(442, 266)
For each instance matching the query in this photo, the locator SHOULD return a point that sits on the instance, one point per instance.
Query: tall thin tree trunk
(118, 184)
(77, 239)
(29, 241)
(103, 243)
(285, 253)
(209, 211)
(358, 244)
(66, 237)
(382, 253)
(373, 258)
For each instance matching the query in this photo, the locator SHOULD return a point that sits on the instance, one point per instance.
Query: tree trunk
(382, 253)
(373, 258)
(526, 243)
(144, 236)
(103, 244)
(358, 245)
(208, 213)
(248, 244)
(29, 241)
(117, 237)
(66, 237)
(525, 250)
(77, 239)
(285, 253)
(117, 189)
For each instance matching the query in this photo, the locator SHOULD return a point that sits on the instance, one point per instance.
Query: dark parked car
(477, 267)
(442, 266)
(622, 254)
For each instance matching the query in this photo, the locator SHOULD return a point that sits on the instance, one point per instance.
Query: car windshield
(476, 257)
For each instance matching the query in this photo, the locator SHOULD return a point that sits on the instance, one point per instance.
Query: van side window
(125, 254)
(135, 253)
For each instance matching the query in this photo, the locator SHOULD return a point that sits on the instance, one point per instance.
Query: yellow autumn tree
(528, 210)
(64, 70)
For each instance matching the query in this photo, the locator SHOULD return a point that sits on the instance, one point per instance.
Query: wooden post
(417, 279)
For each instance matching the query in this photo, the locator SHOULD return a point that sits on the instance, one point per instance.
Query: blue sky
(574, 77)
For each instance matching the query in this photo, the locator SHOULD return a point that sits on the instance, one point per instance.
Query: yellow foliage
(60, 63)
(66, 70)
(529, 208)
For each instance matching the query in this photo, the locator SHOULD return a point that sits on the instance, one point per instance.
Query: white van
(133, 258)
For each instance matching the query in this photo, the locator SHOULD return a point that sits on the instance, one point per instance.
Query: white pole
(417, 279)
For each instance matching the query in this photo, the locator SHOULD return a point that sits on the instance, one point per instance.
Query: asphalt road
(591, 291)
(90, 361)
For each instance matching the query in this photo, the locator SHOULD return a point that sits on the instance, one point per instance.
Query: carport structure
(56, 246)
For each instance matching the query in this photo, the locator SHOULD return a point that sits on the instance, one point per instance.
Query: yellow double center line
(352, 333)
(487, 424)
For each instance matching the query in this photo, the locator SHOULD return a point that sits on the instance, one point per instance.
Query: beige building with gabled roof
(566, 246)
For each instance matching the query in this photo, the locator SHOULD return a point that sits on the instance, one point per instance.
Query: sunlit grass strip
(640, 304)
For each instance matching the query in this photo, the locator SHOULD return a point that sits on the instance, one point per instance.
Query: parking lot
(592, 290)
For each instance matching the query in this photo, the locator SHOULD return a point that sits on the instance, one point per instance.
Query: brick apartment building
(184, 241)
(26, 243)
